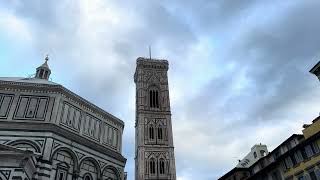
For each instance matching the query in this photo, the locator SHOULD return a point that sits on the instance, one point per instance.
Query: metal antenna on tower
(150, 52)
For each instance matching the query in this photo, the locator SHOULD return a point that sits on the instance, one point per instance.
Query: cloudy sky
(238, 69)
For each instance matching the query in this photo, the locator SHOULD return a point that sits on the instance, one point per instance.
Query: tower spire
(43, 71)
(150, 52)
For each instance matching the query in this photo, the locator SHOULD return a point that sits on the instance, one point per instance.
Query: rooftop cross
(47, 58)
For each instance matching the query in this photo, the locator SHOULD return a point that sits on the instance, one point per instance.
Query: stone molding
(59, 89)
(48, 127)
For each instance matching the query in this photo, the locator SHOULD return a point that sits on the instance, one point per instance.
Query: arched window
(262, 153)
(154, 98)
(65, 164)
(152, 165)
(87, 177)
(255, 155)
(161, 166)
(110, 174)
(61, 174)
(46, 74)
(160, 133)
(41, 73)
(151, 132)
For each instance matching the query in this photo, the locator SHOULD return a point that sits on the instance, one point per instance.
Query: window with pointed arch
(154, 97)
(161, 166)
(87, 176)
(151, 132)
(160, 133)
(152, 165)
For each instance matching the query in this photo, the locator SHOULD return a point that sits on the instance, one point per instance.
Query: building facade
(154, 151)
(297, 158)
(48, 132)
(257, 152)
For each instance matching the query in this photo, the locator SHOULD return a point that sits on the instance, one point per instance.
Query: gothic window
(160, 133)
(151, 132)
(152, 165)
(161, 166)
(154, 98)
(61, 174)
(87, 177)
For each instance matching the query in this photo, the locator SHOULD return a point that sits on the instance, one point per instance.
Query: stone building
(297, 158)
(154, 154)
(257, 152)
(48, 132)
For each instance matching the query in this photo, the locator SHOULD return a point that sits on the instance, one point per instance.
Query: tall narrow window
(46, 74)
(160, 136)
(41, 74)
(154, 98)
(152, 166)
(312, 175)
(161, 166)
(262, 153)
(150, 98)
(151, 132)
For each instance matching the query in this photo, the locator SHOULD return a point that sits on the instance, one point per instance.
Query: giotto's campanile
(154, 151)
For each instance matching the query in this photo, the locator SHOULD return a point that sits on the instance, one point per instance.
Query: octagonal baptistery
(48, 132)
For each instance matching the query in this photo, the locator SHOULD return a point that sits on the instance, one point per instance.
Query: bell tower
(154, 151)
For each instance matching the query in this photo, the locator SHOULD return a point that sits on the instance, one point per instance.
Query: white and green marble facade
(68, 137)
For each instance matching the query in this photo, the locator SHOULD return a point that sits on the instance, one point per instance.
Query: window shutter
(309, 151)
(307, 177)
(316, 147)
(289, 162)
(317, 172)
(298, 156)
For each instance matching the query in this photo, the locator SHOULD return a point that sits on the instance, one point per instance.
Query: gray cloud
(256, 83)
